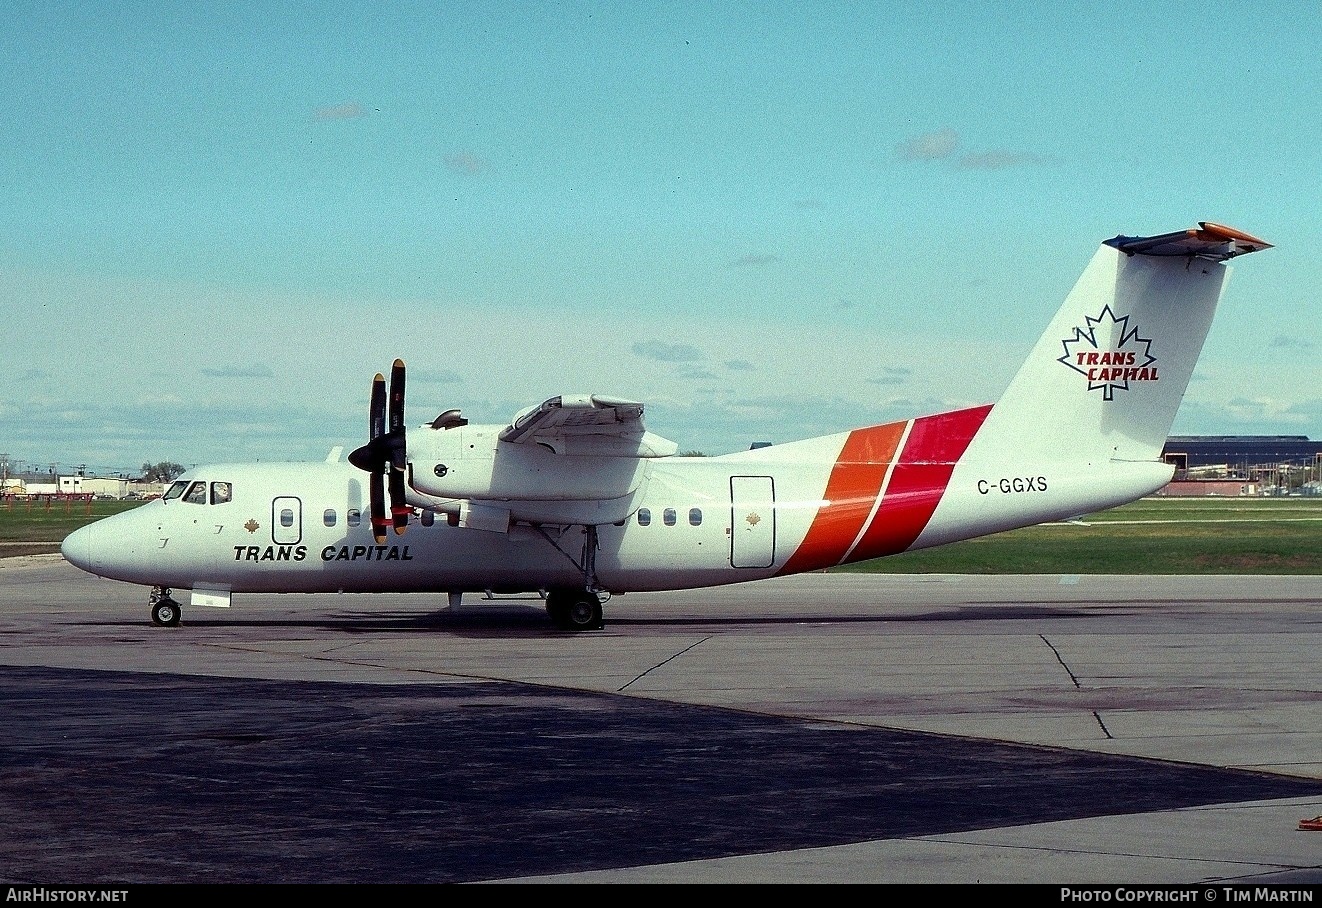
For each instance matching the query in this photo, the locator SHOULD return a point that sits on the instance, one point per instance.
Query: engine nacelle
(470, 462)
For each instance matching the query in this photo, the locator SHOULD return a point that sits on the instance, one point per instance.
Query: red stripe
(934, 446)
(851, 491)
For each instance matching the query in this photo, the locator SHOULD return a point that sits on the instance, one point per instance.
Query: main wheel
(574, 610)
(165, 613)
(584, 613)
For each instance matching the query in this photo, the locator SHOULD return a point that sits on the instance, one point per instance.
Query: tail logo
(1110, 354)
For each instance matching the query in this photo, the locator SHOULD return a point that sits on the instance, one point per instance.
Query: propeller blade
(366, 457)
(377, 414)
(379, 521)
(397, 395)
(399, 508)
(386, 453)
(399, 458)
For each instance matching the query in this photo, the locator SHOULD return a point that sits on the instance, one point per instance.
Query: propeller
(386, 453)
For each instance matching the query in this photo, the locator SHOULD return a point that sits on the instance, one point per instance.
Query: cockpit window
(221, 492)
(176, 489)
(197, 493)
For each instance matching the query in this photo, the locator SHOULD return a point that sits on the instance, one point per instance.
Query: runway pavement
(840, 728)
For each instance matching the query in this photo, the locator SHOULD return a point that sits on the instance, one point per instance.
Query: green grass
(38, 527)
(1153, 536)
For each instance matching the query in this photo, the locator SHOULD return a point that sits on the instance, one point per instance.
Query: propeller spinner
(386, 453)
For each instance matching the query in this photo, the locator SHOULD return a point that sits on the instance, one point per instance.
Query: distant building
(1243, 464)
(92, 485)
(1240, 454)
(101, 487)
(1195, 488)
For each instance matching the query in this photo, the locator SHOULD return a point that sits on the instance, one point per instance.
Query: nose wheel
(165, 612)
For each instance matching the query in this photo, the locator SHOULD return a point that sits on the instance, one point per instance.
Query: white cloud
(349, 110)
(240, 372)
(465, 163)
(943, 144)
(755, 260)
(1290, 342)
(435, 376)
(997, 160)
(1264, 409)
(667, 353)
(930, 146)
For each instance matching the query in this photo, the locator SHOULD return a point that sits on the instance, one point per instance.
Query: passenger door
(286, 520)
(752, 521)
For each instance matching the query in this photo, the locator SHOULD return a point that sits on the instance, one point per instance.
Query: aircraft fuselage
(695, 521)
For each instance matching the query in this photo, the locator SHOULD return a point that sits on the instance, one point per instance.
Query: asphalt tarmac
(827, 728)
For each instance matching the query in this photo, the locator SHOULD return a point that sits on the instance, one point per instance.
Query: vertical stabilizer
(1106, 379)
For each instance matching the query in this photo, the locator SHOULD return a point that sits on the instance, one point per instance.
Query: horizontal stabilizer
(1207, 240)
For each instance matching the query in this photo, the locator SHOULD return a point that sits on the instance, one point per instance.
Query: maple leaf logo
(1109, 353)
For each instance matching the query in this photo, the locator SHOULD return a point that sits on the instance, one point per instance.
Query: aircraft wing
(587, 424)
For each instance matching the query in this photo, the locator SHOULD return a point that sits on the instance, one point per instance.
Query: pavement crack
(1106, 731)
(1077, 686)
(1056, 652)
(664, 661)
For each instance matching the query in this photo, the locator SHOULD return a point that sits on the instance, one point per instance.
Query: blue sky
(765, 220)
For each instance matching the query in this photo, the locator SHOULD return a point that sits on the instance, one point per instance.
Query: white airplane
(575, 500)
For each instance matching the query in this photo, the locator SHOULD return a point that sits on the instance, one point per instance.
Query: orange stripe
(850, 494)
(935, 445)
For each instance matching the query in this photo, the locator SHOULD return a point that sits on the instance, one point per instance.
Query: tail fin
(1105, 380)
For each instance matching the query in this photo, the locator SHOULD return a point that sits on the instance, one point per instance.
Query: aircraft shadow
(536, 624)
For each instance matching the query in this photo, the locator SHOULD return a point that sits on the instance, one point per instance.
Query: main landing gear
(165, 611)
(574, 610)
(578, 609)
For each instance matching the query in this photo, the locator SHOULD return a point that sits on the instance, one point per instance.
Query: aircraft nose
(77, 548)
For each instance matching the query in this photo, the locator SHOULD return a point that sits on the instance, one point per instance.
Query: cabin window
(644, 517)
(428, 517)
(286, 517)
(176, 489)
(695, 517)
(197, 493)
(328, 518)
(353, 517)
(668, 517)
(221, 492)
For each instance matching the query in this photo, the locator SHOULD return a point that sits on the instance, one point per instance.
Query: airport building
(1244, 465)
